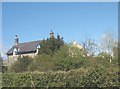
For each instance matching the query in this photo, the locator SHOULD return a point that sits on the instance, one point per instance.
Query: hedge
(96, 77)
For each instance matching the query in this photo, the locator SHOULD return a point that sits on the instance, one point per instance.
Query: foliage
(51, 45)
(62, 60)
(82, 77)
(103, 55)
(42, 63)
(66, 61)
(21, 64)
(4, 69)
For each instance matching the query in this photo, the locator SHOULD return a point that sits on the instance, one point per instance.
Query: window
(37, 49)
(14, 51)
(38, 46)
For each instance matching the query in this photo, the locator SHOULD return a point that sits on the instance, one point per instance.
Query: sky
(72, 21)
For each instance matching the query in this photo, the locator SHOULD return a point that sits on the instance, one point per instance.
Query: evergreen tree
(51, 45)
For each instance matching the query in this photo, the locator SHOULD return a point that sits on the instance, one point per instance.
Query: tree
(68, 58)
(51, 45)
(108, 43)
(90, 47)
(115, 52)
(103, 54)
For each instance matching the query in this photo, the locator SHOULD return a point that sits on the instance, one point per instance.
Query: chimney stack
(51, 34)
(16, 40)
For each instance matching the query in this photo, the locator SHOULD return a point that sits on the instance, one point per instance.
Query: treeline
(54, 55)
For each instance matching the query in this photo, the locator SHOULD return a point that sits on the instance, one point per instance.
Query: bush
(21, 64)
(62, 60)
(92, 77)
(65, 61)
(42, 63)
(4, 69)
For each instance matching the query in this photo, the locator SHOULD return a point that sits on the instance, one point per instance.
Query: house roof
(24, 47)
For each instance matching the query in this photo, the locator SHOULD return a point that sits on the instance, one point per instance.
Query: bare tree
(108, 43)
(90, 47)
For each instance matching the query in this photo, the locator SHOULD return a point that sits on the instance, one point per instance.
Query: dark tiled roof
(25, 47)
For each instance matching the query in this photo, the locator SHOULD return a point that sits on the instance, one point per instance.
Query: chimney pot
(16, 40)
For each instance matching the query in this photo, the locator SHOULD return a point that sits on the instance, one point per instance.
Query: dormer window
(15, 51)
(38, 47)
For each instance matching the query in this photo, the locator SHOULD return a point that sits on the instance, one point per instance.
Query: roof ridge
(30, 41)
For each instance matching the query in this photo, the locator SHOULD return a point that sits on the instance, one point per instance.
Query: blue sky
(34, 21)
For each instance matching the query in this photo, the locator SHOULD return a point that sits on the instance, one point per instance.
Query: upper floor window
(15, 51)
(38, 46)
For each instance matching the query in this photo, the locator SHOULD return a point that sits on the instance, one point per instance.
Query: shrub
(66, 61)
(21, 64)
(42, 63)
(93, 77)
(60, 61)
